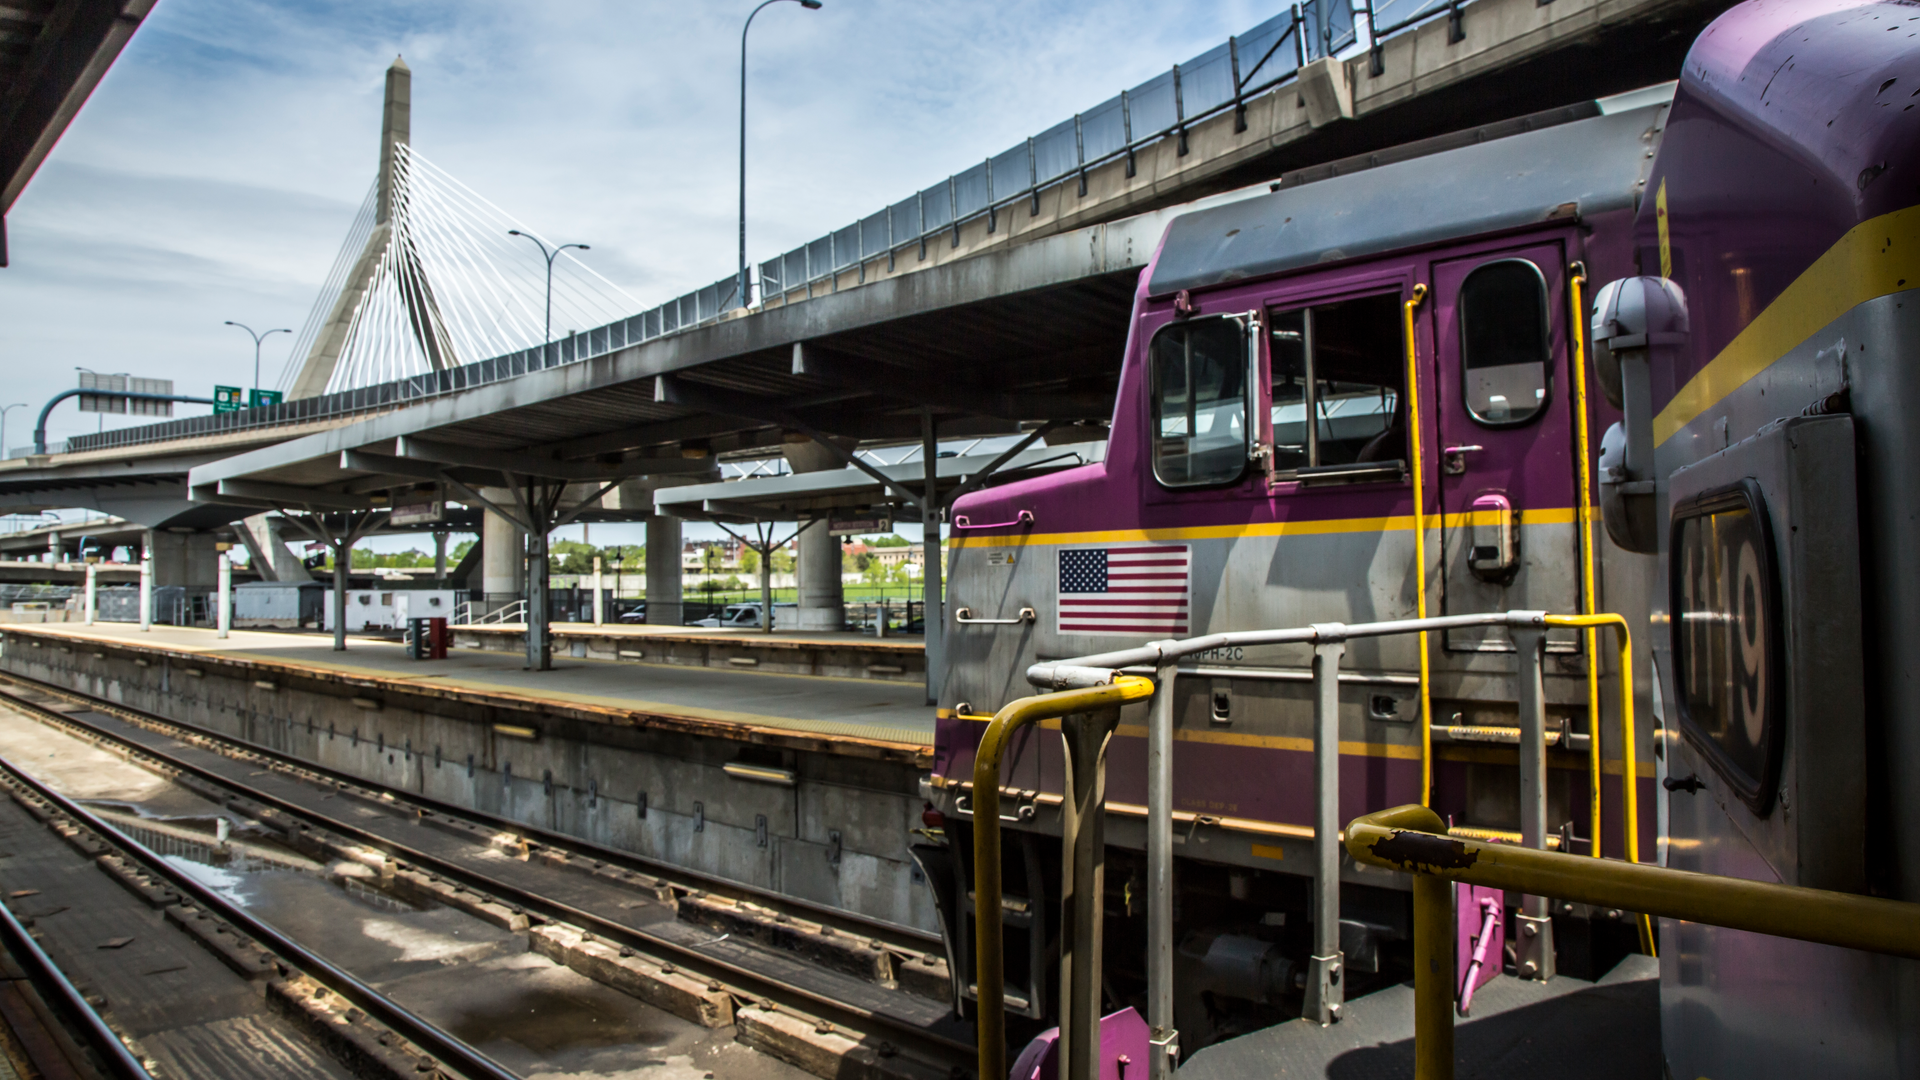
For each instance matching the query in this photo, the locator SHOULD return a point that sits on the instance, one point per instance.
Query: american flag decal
(1124, 590)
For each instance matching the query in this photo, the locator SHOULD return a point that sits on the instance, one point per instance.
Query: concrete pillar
(185, 559)
(266, 540)
(823, 603)
(539, 635)
(599, 597)
(342, 566)
(440, 555)
(502, 558)
(223, 618)
(935, 617)
(663, 570)
(146, 587)
(91, 601)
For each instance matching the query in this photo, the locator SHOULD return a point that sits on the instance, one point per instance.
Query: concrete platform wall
(572, 775)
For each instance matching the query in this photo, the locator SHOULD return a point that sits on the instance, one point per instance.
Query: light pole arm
(40, 429)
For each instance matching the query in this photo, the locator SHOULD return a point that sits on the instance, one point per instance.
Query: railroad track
(785, 965)
(298, 972)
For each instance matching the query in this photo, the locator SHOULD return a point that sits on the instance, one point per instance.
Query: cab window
(1338, 374)
(1504, 344)
(1200, 402)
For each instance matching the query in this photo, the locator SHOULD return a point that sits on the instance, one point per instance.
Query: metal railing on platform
(1413, 840)
(512, 614)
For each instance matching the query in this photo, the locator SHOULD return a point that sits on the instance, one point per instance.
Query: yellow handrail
(1419, 540)
(1630, 754)
(1590, 598)
(990, 963)
(1411, 839)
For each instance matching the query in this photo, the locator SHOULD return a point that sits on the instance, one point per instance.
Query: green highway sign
(227, 399)
(257, 398)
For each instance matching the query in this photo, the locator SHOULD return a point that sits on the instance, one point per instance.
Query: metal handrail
(989, 965)
(964, 616)
(1325, 994)
(504, 616)
(1589, 590)
(1413, 839)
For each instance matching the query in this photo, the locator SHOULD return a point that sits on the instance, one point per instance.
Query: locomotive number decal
(1129, 590)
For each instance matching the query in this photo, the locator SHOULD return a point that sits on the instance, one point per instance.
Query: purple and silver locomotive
(1647, 357)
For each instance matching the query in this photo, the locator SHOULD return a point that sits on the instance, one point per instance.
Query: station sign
(257, 397)
(859, 526)
(107, 394)
(418, 513)
(227, 399)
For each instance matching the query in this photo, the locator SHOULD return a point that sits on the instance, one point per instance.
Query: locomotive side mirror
(1631, 318)
(1629, 315)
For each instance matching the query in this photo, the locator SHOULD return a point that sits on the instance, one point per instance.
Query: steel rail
(59, 992)
(687, 956)
(446, 1048)
(898, 935)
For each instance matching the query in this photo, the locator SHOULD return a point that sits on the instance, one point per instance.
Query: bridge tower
(390, 239)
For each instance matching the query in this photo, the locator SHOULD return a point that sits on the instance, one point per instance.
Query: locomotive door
(1505, 486)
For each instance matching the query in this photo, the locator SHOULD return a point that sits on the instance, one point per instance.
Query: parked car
(746, 615)
(637, 615)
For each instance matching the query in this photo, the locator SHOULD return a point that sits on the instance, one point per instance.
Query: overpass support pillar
(266, 541)
(823, 603)
(502, 559)
(185, 559)
(663, 570)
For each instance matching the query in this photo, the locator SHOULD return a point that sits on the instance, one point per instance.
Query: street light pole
(3, 424)
(546, 333)
(257, 339)
(742, 285)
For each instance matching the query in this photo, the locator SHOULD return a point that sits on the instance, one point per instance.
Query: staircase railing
(515, 612)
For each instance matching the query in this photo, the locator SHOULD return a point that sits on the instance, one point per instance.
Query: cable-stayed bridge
(431, 277)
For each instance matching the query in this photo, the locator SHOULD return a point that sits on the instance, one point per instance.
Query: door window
(1200, 402)
(1338, 374)
(1505, 349)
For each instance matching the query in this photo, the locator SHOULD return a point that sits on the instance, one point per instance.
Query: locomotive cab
(1297, 360)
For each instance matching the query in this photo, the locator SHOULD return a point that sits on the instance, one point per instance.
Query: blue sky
(215, 171)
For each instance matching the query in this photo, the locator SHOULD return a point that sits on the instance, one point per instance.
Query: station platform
(887, 715)
(843, 654)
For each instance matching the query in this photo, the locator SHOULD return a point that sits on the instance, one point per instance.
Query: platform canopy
(850, 493)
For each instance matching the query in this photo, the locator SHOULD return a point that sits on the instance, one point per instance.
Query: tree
(782, 561)
(711, 560)
(749, 561)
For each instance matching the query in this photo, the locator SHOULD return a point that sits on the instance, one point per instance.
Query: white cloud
(215, 171)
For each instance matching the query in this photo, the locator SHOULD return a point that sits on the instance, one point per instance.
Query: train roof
(1582, 167)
